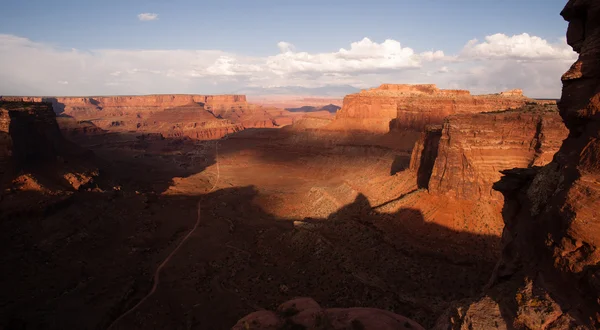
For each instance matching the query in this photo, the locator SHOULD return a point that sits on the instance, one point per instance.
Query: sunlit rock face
(548, 276)
(473, 149)
(392, 107)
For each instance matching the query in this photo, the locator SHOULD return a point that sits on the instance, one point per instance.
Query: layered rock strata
(191, 121)
(473, 149)
(218, 115)
(548, 275)
(390, 106)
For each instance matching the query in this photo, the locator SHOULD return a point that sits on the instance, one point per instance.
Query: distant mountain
(332, 108)
(329, 91)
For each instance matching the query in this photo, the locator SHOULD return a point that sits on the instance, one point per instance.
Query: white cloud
(363, 56)
(519, 47)
(147, 16)
(499, 62)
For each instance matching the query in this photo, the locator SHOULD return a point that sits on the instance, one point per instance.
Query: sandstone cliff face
(474, 148)
(391, 106)
(548, 276)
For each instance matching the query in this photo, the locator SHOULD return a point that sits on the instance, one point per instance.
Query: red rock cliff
(549, 276)
(474, 148)
(415, 106)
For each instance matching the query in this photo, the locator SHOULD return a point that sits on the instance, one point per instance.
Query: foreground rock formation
(548, 275)
(305, 313)
(390, 106)
(464, 157)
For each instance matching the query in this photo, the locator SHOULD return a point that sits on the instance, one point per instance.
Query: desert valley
(403, 206)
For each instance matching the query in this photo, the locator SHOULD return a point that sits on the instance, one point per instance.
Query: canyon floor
(279, 214)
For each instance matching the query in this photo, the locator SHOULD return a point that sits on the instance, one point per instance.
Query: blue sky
(253, 29)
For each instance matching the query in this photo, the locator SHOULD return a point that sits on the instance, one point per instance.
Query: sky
(326, 47)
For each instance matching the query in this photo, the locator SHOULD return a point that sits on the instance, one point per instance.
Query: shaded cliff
(548, 276)
(424, 155)
(29, 133)
(392, 106)
(31, 142)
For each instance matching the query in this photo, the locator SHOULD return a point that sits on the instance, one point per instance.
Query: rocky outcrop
(246, 115)
(305, 313)
(192, 121)
(390, 106)
(474, 148)
(548, 275)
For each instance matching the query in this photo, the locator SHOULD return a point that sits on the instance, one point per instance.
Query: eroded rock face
(305, 313)
(474, 148)
(548, 276)
(414, 106)
(192, 121)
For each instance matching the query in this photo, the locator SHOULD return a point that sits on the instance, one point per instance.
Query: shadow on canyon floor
(79, 261)
(151, 162)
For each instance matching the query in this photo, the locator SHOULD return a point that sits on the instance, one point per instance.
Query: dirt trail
(156, 278)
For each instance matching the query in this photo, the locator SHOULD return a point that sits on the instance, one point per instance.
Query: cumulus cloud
(362, 56)
(499, 62)
(518, 47)
(147, 16)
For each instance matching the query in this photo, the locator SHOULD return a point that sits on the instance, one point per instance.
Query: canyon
(411, 207)
(195, 116)
(348, 218)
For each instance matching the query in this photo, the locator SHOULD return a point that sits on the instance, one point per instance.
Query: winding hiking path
(156, 278)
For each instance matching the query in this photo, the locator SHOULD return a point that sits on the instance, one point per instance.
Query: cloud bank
(498, 62)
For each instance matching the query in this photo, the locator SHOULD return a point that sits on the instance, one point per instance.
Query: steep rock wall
(463, 157)
(424, 155)
(474, 148)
